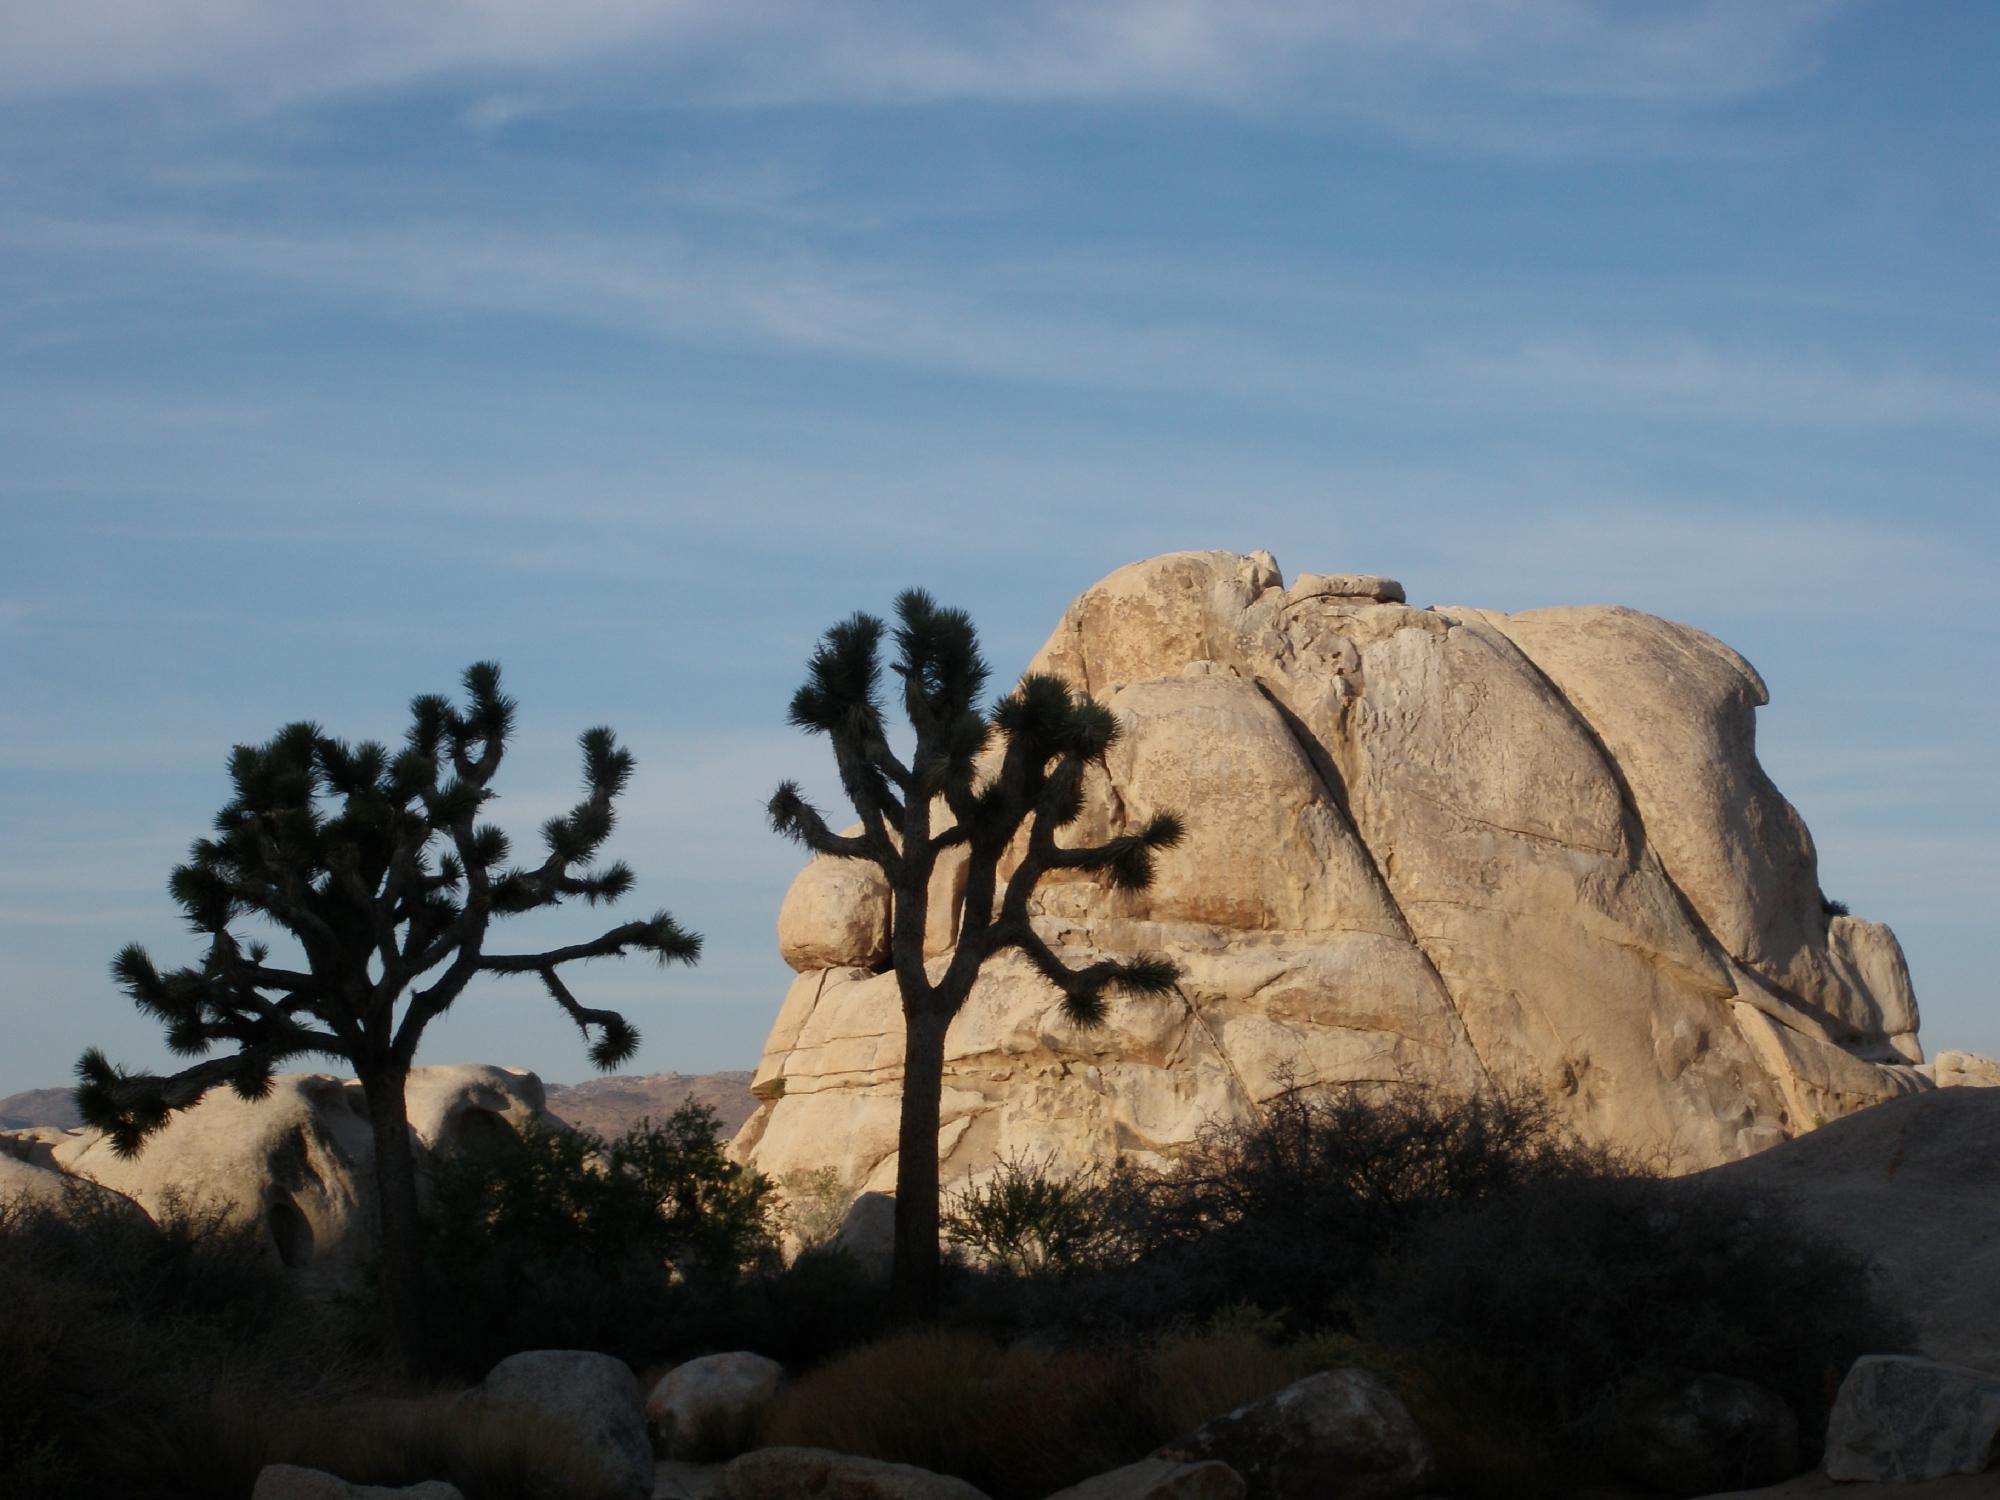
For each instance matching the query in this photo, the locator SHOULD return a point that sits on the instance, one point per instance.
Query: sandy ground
(1959, 1487)
(685, 1481)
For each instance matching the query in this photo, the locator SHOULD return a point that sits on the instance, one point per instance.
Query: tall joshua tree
(1046, 736)
(376, 865)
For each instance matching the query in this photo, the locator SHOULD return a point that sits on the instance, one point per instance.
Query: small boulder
(1340, 1435)
(789, 1473)
(1160, 1479)
(835, 915)
(1697, 1434)
(1372, 587)
(868, 1230)
(708, 1407)
(290, 1482)
(1901, 1419)
(594, 1400)
(1965, 1070)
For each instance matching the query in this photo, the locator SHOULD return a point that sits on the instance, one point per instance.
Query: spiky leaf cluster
(376, 862)
(1046, 735)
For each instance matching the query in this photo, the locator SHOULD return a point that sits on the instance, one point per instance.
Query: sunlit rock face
(1439, 845)
(298, 1163)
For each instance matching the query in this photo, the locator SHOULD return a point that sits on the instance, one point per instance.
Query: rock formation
(299, 1161)
(1440, 845)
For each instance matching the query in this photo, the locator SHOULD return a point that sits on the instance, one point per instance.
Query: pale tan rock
(1424, 846)
(40, 1183)
(592, 1400)
(300, 1162)
(836, 915)
(1370, 586)
(1966, 1070)
(1675, 707)
(708, 1407)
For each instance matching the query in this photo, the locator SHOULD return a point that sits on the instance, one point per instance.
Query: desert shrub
(1560, 1292)
(816, 1203)
(388, 1440)
(561, 1239)
(1296, 1209)
(1026, 1218)
(1019, 1421)
(114, 1328)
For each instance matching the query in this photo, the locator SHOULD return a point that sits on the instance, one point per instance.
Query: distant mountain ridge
(613, 1105)
(56, 1107)
(608, 1106)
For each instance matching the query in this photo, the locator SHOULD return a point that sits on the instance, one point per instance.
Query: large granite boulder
(708, 1407)
(30, 1178)
(1338, 1435)
(300, 1161)
(1438, 845)
(593, 1401)
(1901, 1420)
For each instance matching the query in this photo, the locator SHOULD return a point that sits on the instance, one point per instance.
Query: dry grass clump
(390, 1441)
(1019, 1422)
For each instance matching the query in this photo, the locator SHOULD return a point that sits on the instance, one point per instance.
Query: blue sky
(632, 344)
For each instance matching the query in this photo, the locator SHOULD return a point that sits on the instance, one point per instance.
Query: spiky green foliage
(376, 863)
(1048, 735)
(998, 784)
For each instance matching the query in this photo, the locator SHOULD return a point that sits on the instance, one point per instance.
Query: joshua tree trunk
(914, 1277)
(1044, 736)
(400, 1264)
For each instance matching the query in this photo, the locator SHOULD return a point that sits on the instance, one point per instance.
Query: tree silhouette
(1004, 810)
(376, 865)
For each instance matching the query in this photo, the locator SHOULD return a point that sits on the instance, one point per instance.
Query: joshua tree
(1010, 810)
(374, 864)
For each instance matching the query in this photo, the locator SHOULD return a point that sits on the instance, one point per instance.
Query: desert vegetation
(1505, 1282)
(377, 868)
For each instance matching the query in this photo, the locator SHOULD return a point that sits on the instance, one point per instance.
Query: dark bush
(115, 1333)
(1292, 1211)
(1027, 1218)
(1562, 1292)
(561, 1239)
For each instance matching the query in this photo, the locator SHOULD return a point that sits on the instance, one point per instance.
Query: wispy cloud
(1335, 56)
(1046, 323)
(1682, 377)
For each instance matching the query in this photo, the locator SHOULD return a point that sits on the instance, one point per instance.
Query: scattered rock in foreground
(1161, 1479)
(708, 1407)
(1340, 1435)
(593, 1400)
(290, 1482)
(1689, 1434)
(1902, 1419)
(789, 1473)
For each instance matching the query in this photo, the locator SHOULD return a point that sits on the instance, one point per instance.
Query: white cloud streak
(1026, 323)
(1335, 55)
